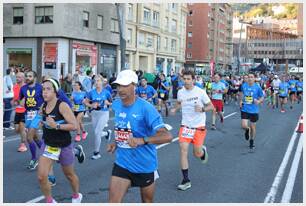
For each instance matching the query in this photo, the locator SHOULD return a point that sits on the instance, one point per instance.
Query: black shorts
(19, 117)
(235, 91)
(252, 117)
(165, 98)
(299, 92)
(282, 97)
(137, 179)
(77, 113)
(291, 93)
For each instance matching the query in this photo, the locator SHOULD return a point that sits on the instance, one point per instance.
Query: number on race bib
(188, 133)
(121, 137)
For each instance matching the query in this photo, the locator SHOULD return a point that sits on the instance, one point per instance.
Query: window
(146, 16)
(166, 43)
(189, 45)
(114, 25)
(141, 40)
(190, 13)
(190, 23)
(44, 15)
(158, 42)
(189, 55)
(166, 23)
(189, 34)
(17, 15)
(149, 40)
(100, 22)
(173, 45)
(173, 26)
(129, 36)
(85, 19)
(130, 12)
(155, 18)
(174, 7)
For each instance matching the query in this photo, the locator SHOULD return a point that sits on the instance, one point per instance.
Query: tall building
(155, 35)
(54, 39)
(300, 20)
(209, 36)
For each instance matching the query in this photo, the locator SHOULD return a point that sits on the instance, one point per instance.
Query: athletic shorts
(76, 113)
(253, 117)
(137, 179)
(218, 104)
(282, 97)
(34, 123)
(66, 157)
(196, 136)
(299, 92)
(291, 93)
(19, 117)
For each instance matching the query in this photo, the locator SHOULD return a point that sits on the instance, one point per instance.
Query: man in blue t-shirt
(292, 90)
(146, 91)
(299, 88)
(283, 92)
(138, 128)
(252, 96)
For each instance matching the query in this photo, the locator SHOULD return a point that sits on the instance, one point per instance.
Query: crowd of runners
(138, 109)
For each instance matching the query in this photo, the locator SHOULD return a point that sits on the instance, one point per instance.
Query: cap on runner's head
(126, 77)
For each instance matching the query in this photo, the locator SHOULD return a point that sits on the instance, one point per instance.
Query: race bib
(76, 107)
(121, 137)
(299, 89)
(31, 115)
(52, 152)
(162, 95)
(282, 91)
(188, 133)
(248, 99)
(292, 85)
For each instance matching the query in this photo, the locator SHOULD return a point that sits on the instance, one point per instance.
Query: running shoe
(221, 119)
(283, 111)
(247, 134)
(96, 156)
(77, 138)
(184, 185)
(78, 199)
(52, 201)
(22, 148)
(84, 135)
(252, 146)
(52, 180)
(291, 107)
(80, 154)
(205, 157)
(33, 164)
(213, 127)
(108, 136)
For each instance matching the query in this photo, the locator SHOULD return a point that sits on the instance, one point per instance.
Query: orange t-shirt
(16, 89)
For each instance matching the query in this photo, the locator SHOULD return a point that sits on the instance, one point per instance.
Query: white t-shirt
(276, 83)
(188, 99)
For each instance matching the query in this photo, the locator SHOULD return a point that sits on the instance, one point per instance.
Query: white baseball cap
(126, 77)
(275, 76)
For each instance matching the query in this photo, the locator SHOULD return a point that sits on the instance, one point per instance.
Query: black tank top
(53, 137)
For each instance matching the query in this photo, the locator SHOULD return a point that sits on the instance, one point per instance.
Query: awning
(19, 51)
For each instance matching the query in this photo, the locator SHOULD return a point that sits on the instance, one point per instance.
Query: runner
(99, 100)
(78, 96)
(292, 90)
(20, 112)
(299, 86)
(283, 93)
(194, 102)
(251, 98)
(163, 93)
(274, 89)
(58, 121)
(32, 95)
(145, 91)
(218, 89)
(138, 129)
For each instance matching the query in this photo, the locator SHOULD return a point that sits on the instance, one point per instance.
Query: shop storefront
(108, 60)
(20, 57)
(85, 56)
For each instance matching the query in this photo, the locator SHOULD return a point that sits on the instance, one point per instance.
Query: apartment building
(155, 36)
(209, 36)
(54, 39)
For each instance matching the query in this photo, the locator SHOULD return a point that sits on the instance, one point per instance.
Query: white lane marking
(292, 174)
(158, 147)
(37, 199)
(270, 198)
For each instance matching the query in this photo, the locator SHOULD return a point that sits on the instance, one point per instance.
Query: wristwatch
(146, 140)
(58, 126)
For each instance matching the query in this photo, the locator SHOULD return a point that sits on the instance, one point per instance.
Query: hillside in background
(277, 11)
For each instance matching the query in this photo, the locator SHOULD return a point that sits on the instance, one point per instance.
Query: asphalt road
(233, 173)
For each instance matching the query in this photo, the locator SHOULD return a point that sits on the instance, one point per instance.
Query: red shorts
(195, 136)
(218, 104)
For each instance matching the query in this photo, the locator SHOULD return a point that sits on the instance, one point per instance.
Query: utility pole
(121, 20)
(238, 57)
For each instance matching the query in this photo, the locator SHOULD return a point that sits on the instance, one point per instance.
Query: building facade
(155, 36)
(56, 39)
(209, 36)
